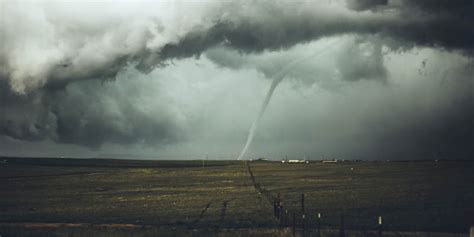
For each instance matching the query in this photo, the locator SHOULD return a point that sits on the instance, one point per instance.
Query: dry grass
(415, 196)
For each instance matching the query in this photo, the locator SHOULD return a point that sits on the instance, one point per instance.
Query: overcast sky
(360, 79)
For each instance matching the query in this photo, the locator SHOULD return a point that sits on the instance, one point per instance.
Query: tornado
(278, 77)
(254, 126)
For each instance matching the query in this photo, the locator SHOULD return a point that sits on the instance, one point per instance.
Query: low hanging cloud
(362, 59)
(362, 5)
(63, 65)
(54, 43)
(253, 27)
(91, 113)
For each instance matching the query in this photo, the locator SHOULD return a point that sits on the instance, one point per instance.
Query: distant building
(330, 161)
(295, 161)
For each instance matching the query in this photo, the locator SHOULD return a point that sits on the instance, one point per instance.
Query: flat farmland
(415, 196)
(410, 196)
(219, 194)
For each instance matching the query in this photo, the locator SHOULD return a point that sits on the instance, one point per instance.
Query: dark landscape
(199, 195)
(237, 118)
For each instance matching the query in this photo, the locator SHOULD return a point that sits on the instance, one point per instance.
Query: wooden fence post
(302, 203)
(303, 216)
(294, 224)
(319, 224)
(341, 231)
(302, 212)
(380, 226)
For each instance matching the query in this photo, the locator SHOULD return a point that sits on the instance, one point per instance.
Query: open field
(421, 196)
(189, 197)
(428, 196)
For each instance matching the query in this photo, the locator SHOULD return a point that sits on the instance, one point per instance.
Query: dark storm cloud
(362, 59)
(362, 5)
(442, 24)
(32, 58)
(441, 5)
(356, 58)
(87, 113)
(441, 129)
(49, 60)
(424, 117)
(110, 114)
(25, 116)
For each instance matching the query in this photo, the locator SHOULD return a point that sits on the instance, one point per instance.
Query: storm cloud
(53, 42)
(95, 74)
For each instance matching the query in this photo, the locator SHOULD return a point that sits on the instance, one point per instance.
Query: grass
(183, 194)
(215, 196)
(432, 196)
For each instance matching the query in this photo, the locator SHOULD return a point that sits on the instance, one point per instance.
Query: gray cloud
(91, 113)
(356, 58)
(253, 27)
(362, 59)
(439, 123)
(55, 43)
(112, 112)
(68, 73)
(362, 5)
(25, 116)
(417, 118)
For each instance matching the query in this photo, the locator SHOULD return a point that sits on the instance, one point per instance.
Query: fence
(312, 220)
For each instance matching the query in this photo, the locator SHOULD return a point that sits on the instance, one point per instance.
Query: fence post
(380, 226)
(294, 224)
(341, 231)
(319, 224)
(302, 211)
(303, 223)
(280, 217)
(302, 203)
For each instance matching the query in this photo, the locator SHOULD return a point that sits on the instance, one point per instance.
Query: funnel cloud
(356, 79)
